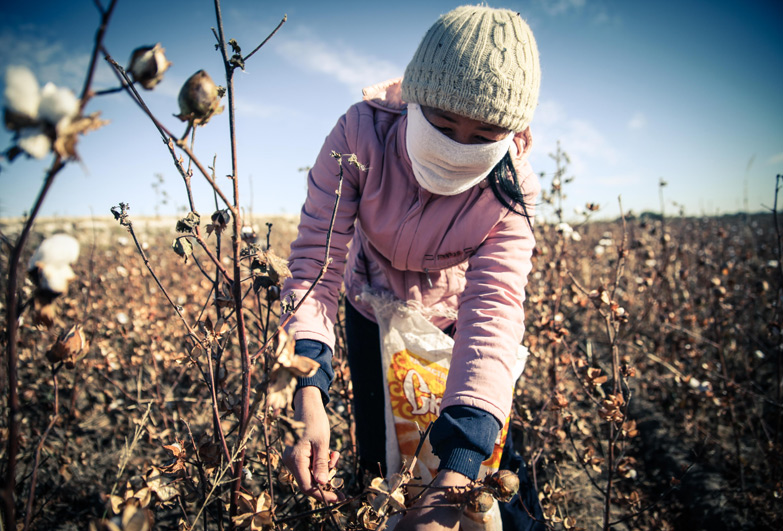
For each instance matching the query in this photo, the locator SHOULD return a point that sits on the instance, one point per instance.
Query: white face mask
(443, 166)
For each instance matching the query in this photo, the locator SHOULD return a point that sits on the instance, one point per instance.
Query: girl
(442, 216)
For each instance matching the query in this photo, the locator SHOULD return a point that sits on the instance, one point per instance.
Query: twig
(105, 16)
(248, 56)
(12, 330)
(108, 91)
(247, 366)
(612, 326)
(324, 267)
(52, 421)
(656, 502)
(129, 451)
(779, 380)
(215, 412)
(319, 510)
(581, 461)
(166, 135)
(129, 225)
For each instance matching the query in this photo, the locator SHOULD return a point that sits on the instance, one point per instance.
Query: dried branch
(248, 56)
(34, 477)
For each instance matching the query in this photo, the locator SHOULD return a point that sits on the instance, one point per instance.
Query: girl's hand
(309, 460)
(445, 517)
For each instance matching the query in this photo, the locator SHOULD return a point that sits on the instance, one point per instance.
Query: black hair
(506, 187)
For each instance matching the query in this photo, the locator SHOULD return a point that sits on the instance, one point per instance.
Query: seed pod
(68, 346)
(506, 484)
(148, 64)
(480, 500)
(199, 99)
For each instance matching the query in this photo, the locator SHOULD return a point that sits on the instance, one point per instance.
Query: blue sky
(688, 91)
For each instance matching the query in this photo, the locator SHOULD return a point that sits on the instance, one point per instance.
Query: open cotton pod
(148, 64)
(50, 266)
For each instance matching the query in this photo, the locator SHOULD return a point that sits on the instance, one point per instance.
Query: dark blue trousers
(364, 359)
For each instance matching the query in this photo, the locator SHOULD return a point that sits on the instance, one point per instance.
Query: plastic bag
(416, 357)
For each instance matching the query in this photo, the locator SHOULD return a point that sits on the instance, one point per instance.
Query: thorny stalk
(612, 326)
(779, 386)
(34, 477)
(12, 325)
(12, 330)
(235, 245)
(129, 448)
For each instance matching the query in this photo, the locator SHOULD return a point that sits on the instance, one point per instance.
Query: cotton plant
(43, 118)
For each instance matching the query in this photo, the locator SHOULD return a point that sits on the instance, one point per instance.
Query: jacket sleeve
(490, 321)
(315, 318)
(320, 353)
(463, 437)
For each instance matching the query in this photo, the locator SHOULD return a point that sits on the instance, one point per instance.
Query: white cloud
(247, 107)
(549, 113)
(625, 179)
(49, 60)
(585, 144)
(776, 158)
(637, 121)
(348, 66)
(558, 7)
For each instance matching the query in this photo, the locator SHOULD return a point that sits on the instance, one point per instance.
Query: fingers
(297, 459)
(310, 466)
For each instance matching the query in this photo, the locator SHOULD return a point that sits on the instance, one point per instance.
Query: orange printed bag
(416, 356)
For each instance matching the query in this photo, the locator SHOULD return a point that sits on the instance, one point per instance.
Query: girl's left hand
(428, 518)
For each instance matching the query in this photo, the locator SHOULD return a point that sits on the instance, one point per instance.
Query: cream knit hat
(478, 62)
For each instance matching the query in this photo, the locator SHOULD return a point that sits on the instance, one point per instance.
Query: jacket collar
(386, 96)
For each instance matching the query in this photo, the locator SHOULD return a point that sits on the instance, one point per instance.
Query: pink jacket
(465, 254)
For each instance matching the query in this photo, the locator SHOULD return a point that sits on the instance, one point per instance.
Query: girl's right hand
(309, 459)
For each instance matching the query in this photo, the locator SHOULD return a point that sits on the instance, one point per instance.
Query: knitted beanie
(478, 62)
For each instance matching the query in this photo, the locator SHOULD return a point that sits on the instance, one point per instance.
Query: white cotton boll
(57, 103)
(55, 278)
(576, 236)
(21, 91)
(56, 250)
(52, 262)
(694, 383)
(565, 228)
(599, 250)
(34, 142)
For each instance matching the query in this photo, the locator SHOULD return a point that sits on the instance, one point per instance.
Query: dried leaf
(67, 135)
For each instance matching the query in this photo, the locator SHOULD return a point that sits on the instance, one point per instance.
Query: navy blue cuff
(464, 437)
(322, 379)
